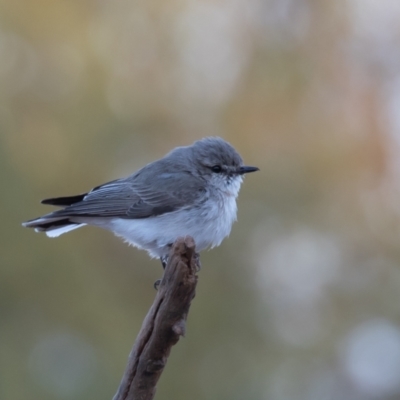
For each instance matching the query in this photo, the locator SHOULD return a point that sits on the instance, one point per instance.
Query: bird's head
(219, 163)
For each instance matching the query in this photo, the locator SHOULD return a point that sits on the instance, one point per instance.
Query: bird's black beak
(246, 169)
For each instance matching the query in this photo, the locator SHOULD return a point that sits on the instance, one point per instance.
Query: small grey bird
(190, 191)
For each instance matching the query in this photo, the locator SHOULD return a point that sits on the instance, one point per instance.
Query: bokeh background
(303, 300)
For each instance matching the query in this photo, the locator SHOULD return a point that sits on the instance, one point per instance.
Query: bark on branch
(164, 324)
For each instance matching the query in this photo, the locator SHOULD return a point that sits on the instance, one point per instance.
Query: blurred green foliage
(301, 302)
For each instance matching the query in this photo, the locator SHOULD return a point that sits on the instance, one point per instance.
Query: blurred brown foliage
(301, 302)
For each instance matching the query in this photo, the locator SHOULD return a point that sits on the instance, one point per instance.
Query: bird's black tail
(64, 201)
(54, 224)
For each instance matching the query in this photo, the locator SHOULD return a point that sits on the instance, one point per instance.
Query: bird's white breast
(208, 223)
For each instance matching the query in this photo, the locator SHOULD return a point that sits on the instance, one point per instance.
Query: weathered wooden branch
(164, 324)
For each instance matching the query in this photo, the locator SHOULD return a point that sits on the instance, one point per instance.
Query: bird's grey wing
(167, 192)
(137, 198)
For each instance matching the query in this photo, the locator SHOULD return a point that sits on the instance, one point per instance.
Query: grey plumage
(171, 194)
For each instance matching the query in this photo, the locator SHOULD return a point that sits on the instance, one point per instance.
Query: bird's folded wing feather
(137, 198)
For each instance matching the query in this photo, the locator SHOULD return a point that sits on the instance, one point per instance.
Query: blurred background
(303, 300)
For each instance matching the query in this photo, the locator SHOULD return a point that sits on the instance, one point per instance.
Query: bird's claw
(157, 284)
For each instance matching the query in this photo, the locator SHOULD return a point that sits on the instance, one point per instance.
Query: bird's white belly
(208, 224)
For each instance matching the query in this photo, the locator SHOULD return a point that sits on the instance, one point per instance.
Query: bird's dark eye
(216, 168)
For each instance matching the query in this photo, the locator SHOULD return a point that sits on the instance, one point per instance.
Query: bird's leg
(164, 261)
(197, 261)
